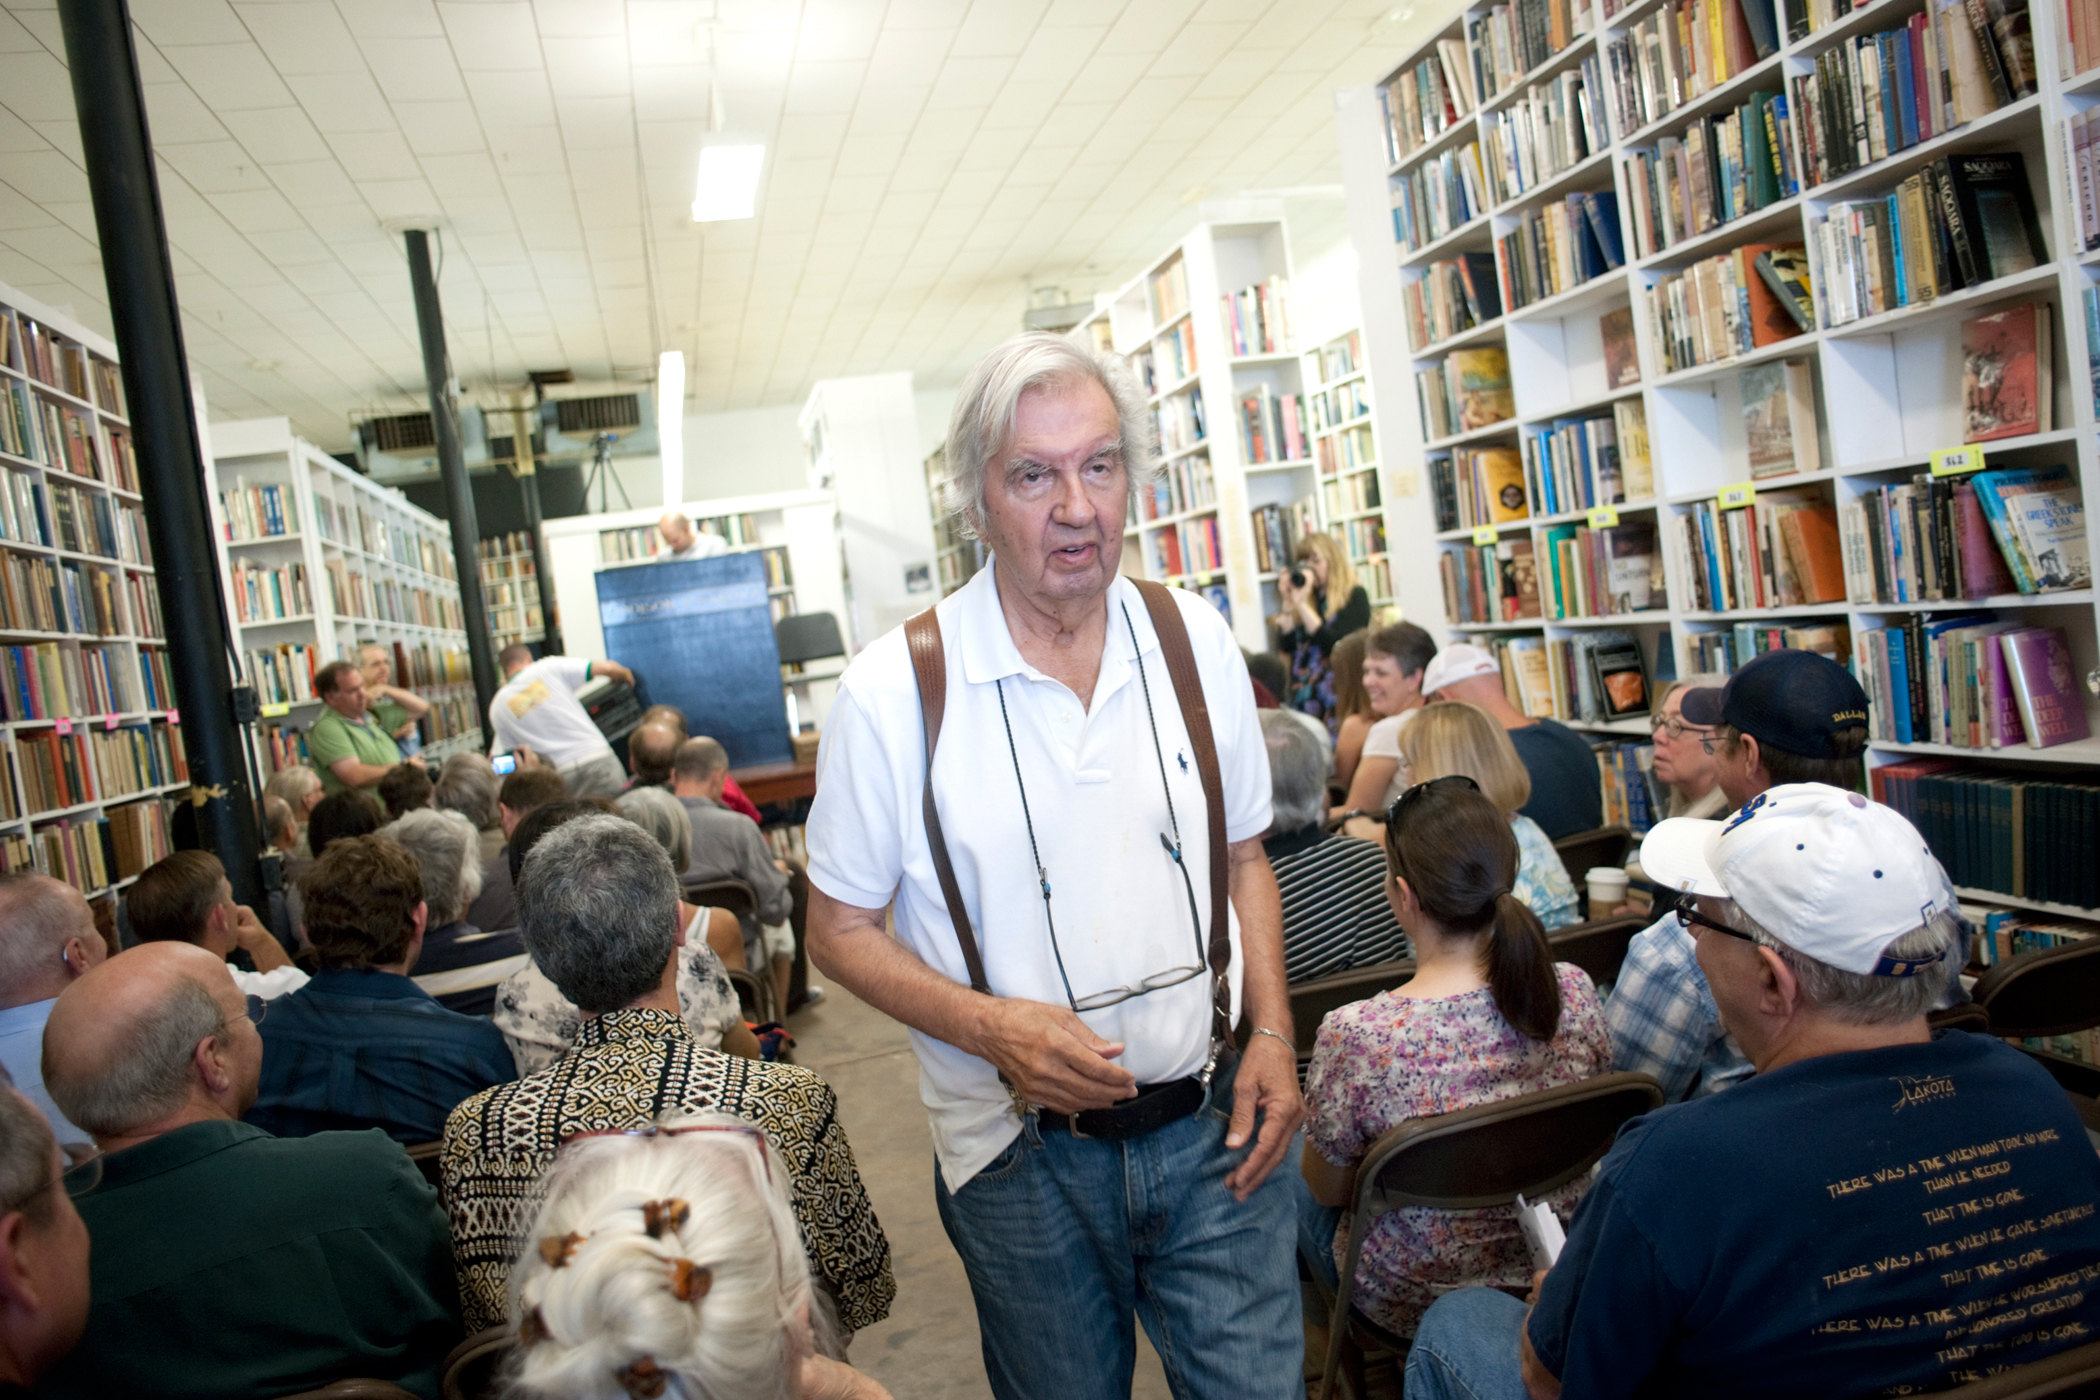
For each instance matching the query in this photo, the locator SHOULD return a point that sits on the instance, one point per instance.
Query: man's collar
(173, 1150)
(988, 648)
(632, 1023)
(366, 982)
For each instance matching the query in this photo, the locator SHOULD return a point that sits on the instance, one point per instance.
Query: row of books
(1960, 222)
(156, 681)
(1553, 128)
(138, 837)
(1257, 320)
(64, 364)
(1361, 538)
(145, 602)
(1466, 390)
(352, 595)
(283, 747)
(1727, 305)
(1178, 420)
(46, 680)
(81, 851)
(2080, 19)
(91, 601)
(1780, 436)
(89, 522)
(1375, 573)
(1168, 359)
(1719, 653)
(1341, 405)
(258, 512)
(513, 546)
(780, 570)
(1475, 486)
(450, 716)
(1277, 530)
(424, 665)
(133, 758)
(1488, 583)
(1573, 464)
(2004, 934)
(1971, 681)
(36, 429)
(1452, 295)
(1184, 484)
(1781, 550)
(1421, 103)
(1442, 195)
(283, 674)
(1191, 547)
(29, 594)
(70, 769)
(1680, 53)
(1342, 357)
(1559, 246)
(1592, 678)
(1506, 42)
(71, 440)
(347, 524)
(1632, 796)
(264, 593)
(1272, 426)
(2029, 839)
(1352, 449)
(1719, 169)
(23, 501)
(1167, 292)
(1607, 572)
(1933, 539)
(1351, 495)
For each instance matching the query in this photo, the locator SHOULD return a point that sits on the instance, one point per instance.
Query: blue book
(1906, 91)
(1895, 218)
(1899, 681)
(1603, 215)
(1716, 599)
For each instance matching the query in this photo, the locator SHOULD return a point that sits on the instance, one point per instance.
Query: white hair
(1861, 998)
(1298, 769)
(991, 395)
(629, 1221)
(444, 845)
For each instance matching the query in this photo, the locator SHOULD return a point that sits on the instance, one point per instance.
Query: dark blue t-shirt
(1566, 795)
(1873, 1223)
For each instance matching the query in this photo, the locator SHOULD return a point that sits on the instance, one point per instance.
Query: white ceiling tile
(393, 19)
(40, 175)
(177, 115)
(512, 98)
(399, 199)
(823, 87)
(968, 82)
(303, 38)
(471, 173)
(277, 134)
(230, 77)
(375, 155)
(671, 93)
(596, 123)
(490, 37)
(344, 102)
(760, 58)
(441, 129)
(591, 67)
(35, 87)
(414, 70)
(309, 181)
(258, 210)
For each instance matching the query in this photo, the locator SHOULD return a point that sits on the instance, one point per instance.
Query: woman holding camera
(1322, 603)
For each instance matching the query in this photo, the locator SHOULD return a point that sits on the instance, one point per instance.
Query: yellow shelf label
(1957, 461)
(273, 711)
(1483, 534)
(1603, 517)
(1737, 496)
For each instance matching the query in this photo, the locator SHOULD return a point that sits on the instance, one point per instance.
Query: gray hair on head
(664, 818)
(1861, 998)
(468, 785)
(991, 395)
(25, 1157)
(597, 908)
(143, 1070)
(444, 845)
(1298, 768)
(38, 917)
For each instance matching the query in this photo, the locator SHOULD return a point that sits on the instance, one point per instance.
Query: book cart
(1830, 426)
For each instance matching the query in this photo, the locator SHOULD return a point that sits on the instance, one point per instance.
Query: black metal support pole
(141, 283)
(452, 463)
(529, 492)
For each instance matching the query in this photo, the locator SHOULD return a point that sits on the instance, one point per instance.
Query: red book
(2005, 365)
(2045, 684)
(1983, 571)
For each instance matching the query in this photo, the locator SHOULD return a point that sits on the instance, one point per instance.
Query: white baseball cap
(1824, 870)
(1455, 663)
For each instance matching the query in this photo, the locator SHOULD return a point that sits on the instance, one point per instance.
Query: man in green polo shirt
(226, 1261)
(347, 745)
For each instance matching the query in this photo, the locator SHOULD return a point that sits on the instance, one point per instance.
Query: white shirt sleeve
(269, 985)
(855, 831)
(1384, 739)
(569, 670)
(1243, 759)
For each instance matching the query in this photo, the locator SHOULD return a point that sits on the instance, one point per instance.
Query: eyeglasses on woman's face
(1676, 728)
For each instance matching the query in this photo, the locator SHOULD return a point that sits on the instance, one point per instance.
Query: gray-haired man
(1099, 1152)
(43, 1246)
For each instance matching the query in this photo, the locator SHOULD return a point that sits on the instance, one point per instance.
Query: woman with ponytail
(666, 1262)
(1488, 1015)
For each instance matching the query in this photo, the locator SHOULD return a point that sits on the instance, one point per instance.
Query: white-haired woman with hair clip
(666, 1262)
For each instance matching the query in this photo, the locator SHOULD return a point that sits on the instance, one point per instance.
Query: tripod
(602, 472)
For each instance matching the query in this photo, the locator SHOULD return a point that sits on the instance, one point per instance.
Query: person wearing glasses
(1072, 1045)
(1784, 717)
(1682, 764)
(47, 939)
(1488, 1015)
(1882, 1210)
(666, 1260)
(43, 1245)
(228, 1261)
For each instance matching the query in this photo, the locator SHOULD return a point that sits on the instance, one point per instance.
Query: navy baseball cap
(1791, 700)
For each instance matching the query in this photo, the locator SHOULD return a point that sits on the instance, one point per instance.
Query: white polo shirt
(537, 709)
(1099, 807)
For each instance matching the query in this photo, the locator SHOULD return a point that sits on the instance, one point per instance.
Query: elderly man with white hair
(43, 1245)
(47, 939)
(682, 541)
(461, 965)
(1056, 781)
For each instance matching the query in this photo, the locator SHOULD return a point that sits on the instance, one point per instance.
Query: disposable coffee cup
(1607, 889)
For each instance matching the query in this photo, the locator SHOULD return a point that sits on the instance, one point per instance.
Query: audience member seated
(1395, 660)
(541, 1024)
(664, 817)
(1682, 764)
(1461, 738)
(299, 787)
(637, 1229)
(1335, 914)
(1880, 1211)
(1488, 1015)
(467, 784)
(600, 907)
(228, 1262)
(725, 848)
(1353, 715)
(281, 839)
(186, 898)
(1270, 675)
(523, 793)
(1566, 794)
(650, 750)
(47, 939)
(406, 788)
(362, 1046)
(43, 1247)
(353, 812)
(732, 796)
(1784, 717)
(461, 965)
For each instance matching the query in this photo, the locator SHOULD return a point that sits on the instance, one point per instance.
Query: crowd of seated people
(521, 794)
(467, 784)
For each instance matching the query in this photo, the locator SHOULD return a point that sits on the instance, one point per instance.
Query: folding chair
(1597, 947)
(1471, 1159)
(2052, 992)
(471, 1370)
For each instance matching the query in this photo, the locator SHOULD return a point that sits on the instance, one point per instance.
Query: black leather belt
(1155, 1106)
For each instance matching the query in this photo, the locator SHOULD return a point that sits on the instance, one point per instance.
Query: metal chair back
(1607, 845)
(2052, 992)
(1597, 947)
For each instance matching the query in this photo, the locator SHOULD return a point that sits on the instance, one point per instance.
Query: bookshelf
(1871, 394)
(956, 557)
(1353, 500)
(91, 745)
(320, 560)
(510, 590)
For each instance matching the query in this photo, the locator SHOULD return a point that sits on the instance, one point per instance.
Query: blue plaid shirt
(359, 1048)
(1663, 1019)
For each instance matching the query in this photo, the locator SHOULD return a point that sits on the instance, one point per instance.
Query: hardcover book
(1779, 418)
(1622, 361)
(1997, 213)
(1621, 676)
(1785, 270)
(1482, 380)
(2005, 373)
(2045, 684)
(2054, 525)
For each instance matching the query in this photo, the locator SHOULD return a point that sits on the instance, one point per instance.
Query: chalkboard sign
(700, 633)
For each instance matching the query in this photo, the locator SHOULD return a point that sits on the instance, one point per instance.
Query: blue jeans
(1316, 1227)
(1065, 1238)
(1466, 1348)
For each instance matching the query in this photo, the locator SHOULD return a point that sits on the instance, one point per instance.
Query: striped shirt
(1335, 915)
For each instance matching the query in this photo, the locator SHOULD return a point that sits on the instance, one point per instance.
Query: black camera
(1297, 578)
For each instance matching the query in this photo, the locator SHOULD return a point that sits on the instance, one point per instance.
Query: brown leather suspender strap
(929, 661)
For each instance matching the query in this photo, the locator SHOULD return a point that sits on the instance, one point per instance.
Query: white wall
(750, 452)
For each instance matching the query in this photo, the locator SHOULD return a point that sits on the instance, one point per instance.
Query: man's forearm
(1264, 995)
(355, 773)
(854, 950)
(414, 704)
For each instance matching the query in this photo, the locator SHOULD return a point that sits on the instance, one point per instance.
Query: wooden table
(776, 782)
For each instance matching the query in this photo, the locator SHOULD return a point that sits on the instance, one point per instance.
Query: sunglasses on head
(1450, 782)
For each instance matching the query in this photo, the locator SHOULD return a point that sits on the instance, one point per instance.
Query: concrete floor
(927, 1349)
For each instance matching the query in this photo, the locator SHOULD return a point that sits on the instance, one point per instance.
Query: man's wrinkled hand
(1268, 1081)
(1051, 1059)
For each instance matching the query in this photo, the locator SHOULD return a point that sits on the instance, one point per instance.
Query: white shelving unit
(320, 560)
(1353, 500)
(89, 738)
(510, 590)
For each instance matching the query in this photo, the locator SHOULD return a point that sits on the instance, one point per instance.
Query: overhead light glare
(670, 424)
(728, 183)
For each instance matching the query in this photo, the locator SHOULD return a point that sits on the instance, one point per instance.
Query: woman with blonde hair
(1452, 736)
(666, 1261)
(1322, 603)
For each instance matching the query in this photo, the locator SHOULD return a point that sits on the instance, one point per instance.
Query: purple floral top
(1383, 1061)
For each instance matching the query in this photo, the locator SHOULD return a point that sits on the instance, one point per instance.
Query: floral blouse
(1543, 885)
(540, 1024)
(1380, 1062)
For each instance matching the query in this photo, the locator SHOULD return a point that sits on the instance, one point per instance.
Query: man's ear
(421, 918)
(1753, 754)
(17, 1289)
(211, 1067)
(1778, 990)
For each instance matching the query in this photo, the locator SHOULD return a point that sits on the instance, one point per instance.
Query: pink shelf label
(65, 726)
(109, 721)
(174, 716)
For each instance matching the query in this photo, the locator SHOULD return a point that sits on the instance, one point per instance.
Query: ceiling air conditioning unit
(405, 444)
(572, 428)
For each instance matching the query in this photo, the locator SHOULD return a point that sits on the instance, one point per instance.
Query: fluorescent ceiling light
(670, 424)
(728, 185)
